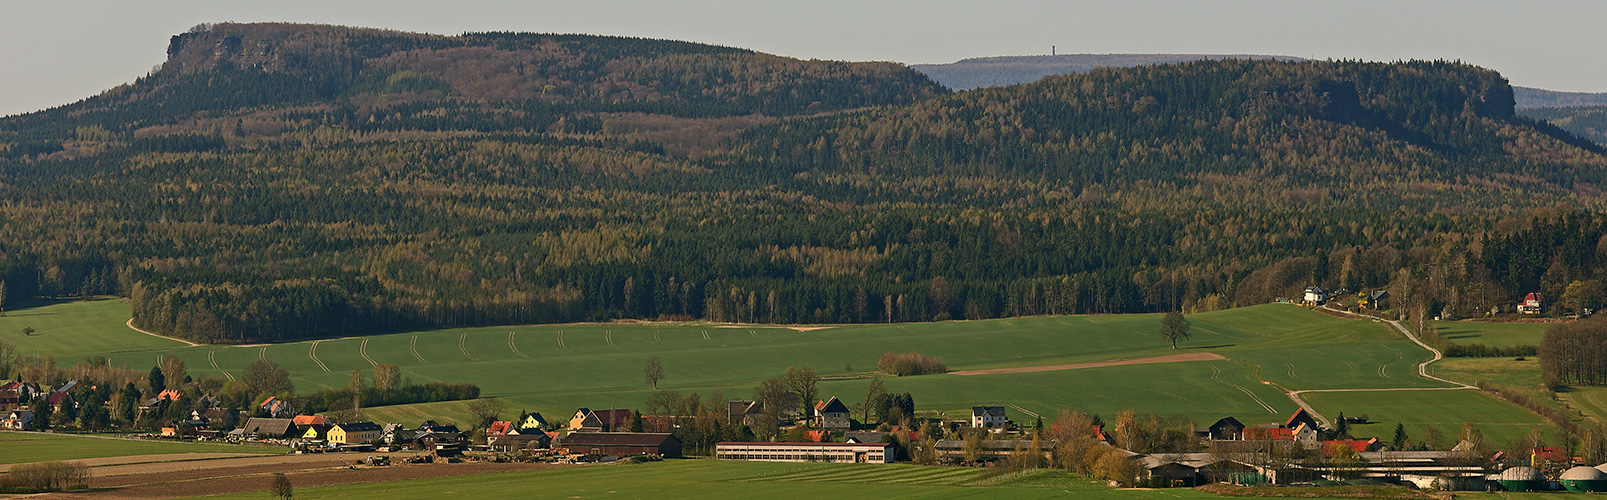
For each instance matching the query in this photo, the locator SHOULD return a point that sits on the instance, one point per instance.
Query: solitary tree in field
(655, 370)
(281, 486)
(1174, 327)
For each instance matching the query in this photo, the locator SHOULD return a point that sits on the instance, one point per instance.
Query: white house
(1316, 295)
(988, 417)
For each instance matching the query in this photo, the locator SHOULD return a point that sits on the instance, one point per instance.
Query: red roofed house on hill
(1531, 303)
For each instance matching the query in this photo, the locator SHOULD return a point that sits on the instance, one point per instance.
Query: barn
(620, 444)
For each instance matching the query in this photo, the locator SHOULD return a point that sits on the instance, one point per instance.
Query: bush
(45, 476)
(913, 363)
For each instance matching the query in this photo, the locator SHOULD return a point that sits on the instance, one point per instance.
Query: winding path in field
(1422, 371)
(131, 326)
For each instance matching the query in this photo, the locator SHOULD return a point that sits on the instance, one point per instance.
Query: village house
(832, 414)
(1300, 416)
(1531, 303)
(620, 444)
(1225, 429)
(1315, 295)
(433, 436)
(989, 417)
(532, 421)
(499, 428)
(9, 399)
(278, 408)
(315, 432)
(587, 420)
(743, 412)
(18, 420)
(354, 433)
(1377, 300)
(874, 453)
(25, 391)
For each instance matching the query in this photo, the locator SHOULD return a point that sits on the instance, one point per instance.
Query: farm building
(355, 433)
(510, 442)
(316, 432)
(988, 417)
(621, 444)
(278, 408)
(873, 453)
(832, 414)
(587, 420)
(1520, 479)
(1584, 479)
(743, 412)
(992, 449)
(267, 428)
(1301, 417)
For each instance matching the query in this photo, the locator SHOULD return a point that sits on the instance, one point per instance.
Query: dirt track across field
(1174, 358)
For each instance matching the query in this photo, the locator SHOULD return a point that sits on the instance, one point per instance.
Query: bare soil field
(221, 476)
(146, 459)
(1174, 358)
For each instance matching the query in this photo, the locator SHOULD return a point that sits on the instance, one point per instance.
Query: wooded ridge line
(276, 182)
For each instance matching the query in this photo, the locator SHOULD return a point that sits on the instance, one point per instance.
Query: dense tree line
(1575, 353)
(274, 182)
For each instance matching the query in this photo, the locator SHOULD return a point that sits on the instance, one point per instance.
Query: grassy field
(1269, 349)
(1446, 410)
(678, 479)
(1492, 334)
(71, 331)
(20, 447)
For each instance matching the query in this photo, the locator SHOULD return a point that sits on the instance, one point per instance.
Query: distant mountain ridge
(1528, 97)
(998, 71)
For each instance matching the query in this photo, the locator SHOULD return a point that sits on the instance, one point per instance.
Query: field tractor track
(263, 354)
(608, 336)
(363, 350)
(462, 340)
(1216, 374)
(515, 348)
(312, 352)
(412, 345)
(212, 357)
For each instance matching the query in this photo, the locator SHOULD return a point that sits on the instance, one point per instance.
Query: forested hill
(497, 81)
(1000, 71)
(275, 182)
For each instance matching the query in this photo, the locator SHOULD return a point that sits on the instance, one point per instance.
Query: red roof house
(1269, 434)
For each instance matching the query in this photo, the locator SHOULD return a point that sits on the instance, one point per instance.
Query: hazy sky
(54, 52)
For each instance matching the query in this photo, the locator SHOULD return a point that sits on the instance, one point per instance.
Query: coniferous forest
(274, 182)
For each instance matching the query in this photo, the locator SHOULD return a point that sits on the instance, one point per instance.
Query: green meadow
(70, 331)
(1492, 334)
(1500, 422)
(1268, 350)
(21, 447)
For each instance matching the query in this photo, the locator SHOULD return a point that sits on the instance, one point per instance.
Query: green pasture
(71, 331)
(1447, 410)
(22, 447)
(676, 479)
(1492, 334)
(1591, 401)
(553, 369)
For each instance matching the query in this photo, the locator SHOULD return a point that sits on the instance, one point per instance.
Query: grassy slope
(72, 330)
(1492, 334)
(1270, 349)
(716, 479)
(20, 447)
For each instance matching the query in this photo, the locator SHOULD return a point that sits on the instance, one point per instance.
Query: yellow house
(316, 432)
(355, 433)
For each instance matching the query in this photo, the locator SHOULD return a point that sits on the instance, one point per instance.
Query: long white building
(874, 453)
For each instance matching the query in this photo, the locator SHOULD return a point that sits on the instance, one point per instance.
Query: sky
(57, 52)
